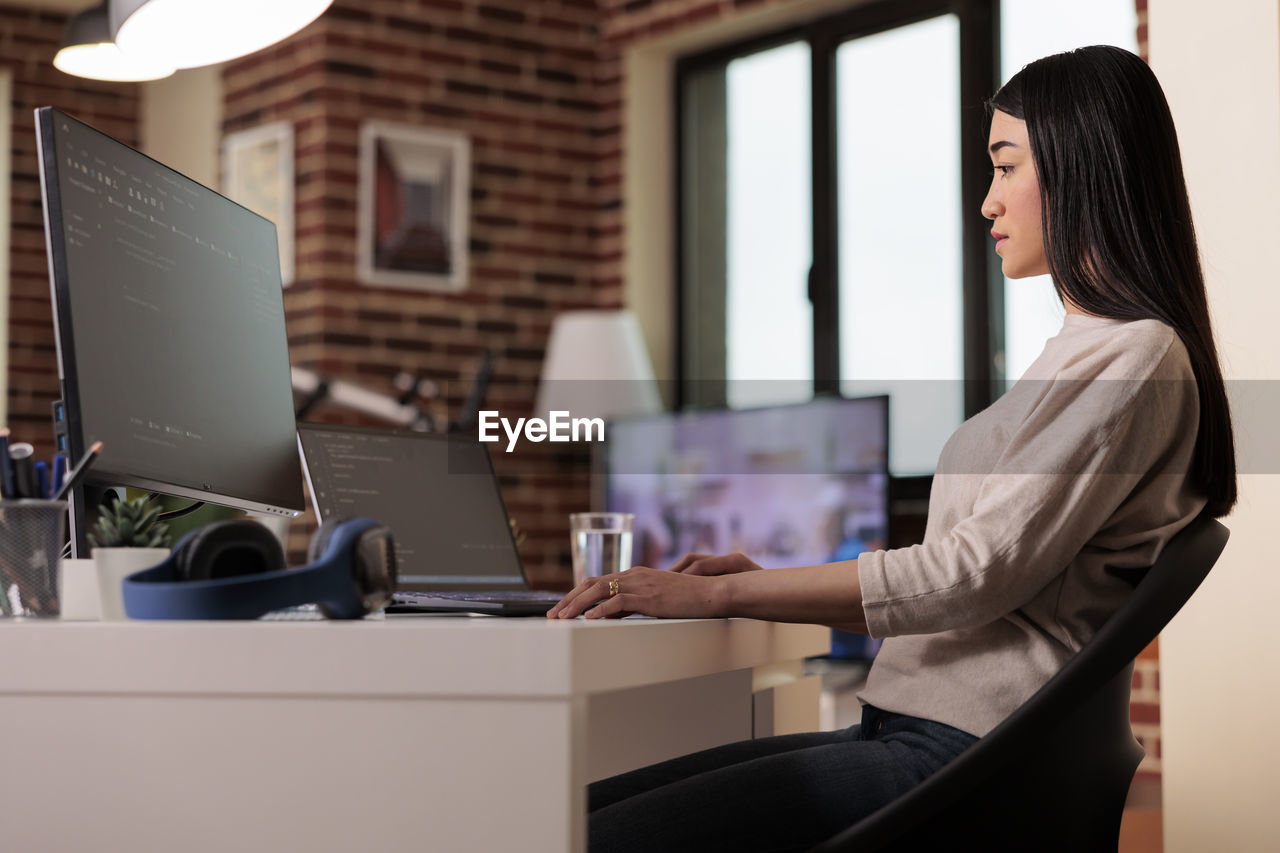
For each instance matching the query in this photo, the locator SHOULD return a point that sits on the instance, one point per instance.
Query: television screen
(787, 486)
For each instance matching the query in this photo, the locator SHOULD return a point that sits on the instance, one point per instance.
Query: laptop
(438, 494)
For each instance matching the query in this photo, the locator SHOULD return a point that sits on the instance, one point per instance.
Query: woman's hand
(704, 587)
(708, 564)
(652, 592)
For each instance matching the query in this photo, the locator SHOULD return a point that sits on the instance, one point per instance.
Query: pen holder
(30, 544)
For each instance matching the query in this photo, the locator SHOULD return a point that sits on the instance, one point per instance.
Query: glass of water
(601, 543)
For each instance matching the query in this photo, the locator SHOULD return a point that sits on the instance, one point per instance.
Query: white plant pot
(113, 566)
(78, 596)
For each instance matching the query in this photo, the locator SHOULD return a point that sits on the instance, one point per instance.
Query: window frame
(982, 282)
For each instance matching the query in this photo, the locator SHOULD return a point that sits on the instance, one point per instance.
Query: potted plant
(128, 536)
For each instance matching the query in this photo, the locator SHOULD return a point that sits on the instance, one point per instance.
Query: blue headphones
(236, 570)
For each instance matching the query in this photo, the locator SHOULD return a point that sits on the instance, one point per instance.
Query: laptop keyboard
(301, 613)
(509, 595)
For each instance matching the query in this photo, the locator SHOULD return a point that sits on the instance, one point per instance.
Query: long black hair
(1118, 234)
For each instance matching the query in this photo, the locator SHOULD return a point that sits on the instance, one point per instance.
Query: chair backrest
(1055, 773)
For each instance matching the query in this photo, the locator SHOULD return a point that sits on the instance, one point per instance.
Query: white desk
(440, 734)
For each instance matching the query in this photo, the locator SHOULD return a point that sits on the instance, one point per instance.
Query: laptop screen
(437, 493)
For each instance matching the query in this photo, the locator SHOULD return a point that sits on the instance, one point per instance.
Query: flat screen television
(170, 329)
(786, 485)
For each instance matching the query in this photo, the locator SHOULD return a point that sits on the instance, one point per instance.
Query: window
(1030, 29)
(830, 179)
(829, 185)
(769, 251)
(900, 237)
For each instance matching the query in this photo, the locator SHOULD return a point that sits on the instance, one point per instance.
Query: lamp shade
(597, 367)
(88, 51)
(192, 33)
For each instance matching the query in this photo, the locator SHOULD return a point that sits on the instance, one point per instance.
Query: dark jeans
(773, 794)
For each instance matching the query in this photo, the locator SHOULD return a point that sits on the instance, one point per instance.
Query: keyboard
(301, 613)
(305, 613)
(517, 602)
(508, 595)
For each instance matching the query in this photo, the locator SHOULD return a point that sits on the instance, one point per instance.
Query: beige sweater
(1039, 504)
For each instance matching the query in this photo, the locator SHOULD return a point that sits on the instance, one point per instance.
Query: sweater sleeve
(1080, 450)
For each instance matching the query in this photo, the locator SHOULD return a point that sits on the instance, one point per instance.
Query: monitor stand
(84, 501)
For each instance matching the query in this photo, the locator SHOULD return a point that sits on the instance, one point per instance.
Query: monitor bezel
(102, 475)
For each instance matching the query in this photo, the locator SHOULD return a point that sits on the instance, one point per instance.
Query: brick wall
(1141, 6)
(1144, 708)
(520, 80)
(28, 41)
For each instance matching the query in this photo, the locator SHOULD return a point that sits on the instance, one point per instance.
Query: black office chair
(1055, 774)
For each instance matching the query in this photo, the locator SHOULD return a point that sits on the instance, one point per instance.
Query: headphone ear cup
(376, 570)
(182, 552)
(320, 539)
(367, 553)
(227, 549)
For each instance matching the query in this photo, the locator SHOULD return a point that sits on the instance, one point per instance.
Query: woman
(1117, 437)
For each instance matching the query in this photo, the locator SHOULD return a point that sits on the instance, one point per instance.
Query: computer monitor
(787, 485)
(169, 320)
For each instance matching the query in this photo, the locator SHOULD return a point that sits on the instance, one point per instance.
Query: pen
(76, 474)
(6, 470)
(42, 480)
(24, 473)
(59, 471)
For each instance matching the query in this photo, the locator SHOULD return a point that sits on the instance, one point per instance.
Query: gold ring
(613, 587)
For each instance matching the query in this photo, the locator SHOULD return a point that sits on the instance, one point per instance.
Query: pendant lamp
(191, 33)
(88, 51)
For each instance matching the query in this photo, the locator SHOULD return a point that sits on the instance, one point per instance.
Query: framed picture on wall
(413, 207)
(257, 171)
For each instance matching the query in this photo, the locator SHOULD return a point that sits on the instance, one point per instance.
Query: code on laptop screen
(436, 493)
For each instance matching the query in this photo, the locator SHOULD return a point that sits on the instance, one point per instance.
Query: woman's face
(1013, 201)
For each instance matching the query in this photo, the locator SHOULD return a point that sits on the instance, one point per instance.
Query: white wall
(648, 167)
(181, 122)
(1218, 660)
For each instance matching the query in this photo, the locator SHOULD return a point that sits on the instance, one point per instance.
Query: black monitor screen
(437, 493)
(170, 326)
(787, 486)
